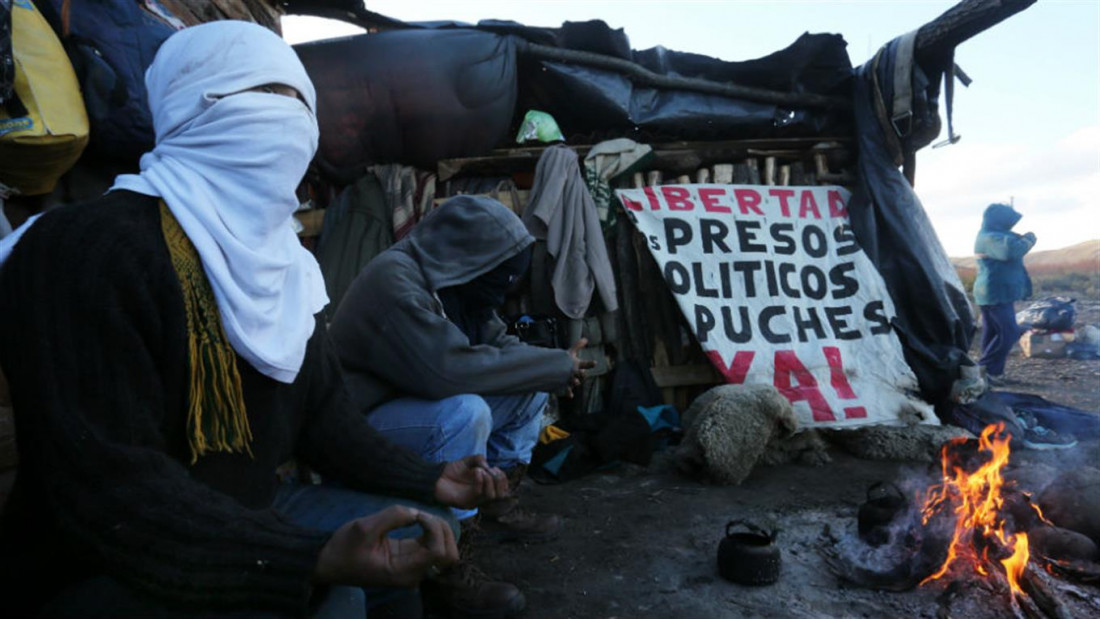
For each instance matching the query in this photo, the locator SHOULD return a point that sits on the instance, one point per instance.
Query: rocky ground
(642, 542)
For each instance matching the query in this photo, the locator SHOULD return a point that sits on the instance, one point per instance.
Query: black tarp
(591, 101)
(422, 92)
(934, 319)
(411, 96)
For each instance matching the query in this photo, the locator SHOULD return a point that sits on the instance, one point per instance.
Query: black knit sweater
(93, 342)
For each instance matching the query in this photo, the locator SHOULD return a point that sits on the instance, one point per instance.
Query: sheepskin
(728, 430)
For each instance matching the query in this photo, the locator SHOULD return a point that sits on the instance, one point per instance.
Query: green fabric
(358, 227)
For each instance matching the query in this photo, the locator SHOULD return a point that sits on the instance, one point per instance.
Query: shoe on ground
(505, 521)
(517, 524)
(466, 592)
(1038, 437)
(1027, 419)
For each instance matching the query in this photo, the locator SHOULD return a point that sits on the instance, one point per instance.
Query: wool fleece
(394, 338)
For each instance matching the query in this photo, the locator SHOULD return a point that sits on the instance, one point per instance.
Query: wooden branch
(963, 21)
(639, 74)
(1033, 583)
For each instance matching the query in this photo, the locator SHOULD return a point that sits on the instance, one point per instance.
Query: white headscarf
(227, 164)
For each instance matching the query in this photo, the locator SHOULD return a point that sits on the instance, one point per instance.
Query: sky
(1030, 121)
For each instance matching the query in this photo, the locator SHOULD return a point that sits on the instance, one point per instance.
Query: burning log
(973, 532)
(1085, 572)
(1038, 591)
(977, 502)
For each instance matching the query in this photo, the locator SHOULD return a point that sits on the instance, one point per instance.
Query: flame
(976, 502)
(1014, 565)
(1039, 512)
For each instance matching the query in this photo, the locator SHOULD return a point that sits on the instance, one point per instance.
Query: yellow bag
(43, 127)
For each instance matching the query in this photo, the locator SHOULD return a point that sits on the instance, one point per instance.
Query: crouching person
(164, 356)
(427, 359)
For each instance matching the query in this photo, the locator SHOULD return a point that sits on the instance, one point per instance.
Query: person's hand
(580, 367)
(361, 554)
(470, 482)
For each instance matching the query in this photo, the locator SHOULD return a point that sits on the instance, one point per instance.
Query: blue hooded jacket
(1002, 277)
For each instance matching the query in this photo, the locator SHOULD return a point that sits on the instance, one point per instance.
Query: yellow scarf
(216, 419)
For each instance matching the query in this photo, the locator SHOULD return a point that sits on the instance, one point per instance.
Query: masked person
(428, 360)
(1002, 280)
(164, 356)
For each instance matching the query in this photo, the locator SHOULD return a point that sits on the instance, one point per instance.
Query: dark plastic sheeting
(429, 91)
(934, 319)
(590, 101)
(411, 96)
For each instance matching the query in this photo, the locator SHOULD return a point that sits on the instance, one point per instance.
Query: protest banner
(778, 291)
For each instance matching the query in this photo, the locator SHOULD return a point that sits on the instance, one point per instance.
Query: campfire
(971, 534)
(985, 541)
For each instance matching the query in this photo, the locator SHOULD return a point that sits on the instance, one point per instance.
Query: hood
(999, 218)
(467, 236)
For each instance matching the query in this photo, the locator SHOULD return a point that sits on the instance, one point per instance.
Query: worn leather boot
(504, 520)
(466, 591)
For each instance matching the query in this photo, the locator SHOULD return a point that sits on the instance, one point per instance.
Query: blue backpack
(110, 44)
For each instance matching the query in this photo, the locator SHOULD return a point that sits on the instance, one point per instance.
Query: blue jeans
(502, 428)
(327, 507)
(999, 335)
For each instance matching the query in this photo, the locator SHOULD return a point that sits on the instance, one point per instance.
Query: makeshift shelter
(434, 108)
(448, 98)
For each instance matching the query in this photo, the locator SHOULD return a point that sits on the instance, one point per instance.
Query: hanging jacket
(562, 213)
(393, 337)
(1002, 277)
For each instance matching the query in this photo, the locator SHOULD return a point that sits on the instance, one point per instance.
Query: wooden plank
(504, 197)
(684, 375)
(741, 174)
(673, 157)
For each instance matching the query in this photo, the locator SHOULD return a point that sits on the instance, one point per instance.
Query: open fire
(971, 491)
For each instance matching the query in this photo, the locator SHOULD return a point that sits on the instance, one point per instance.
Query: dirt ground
(643, 542)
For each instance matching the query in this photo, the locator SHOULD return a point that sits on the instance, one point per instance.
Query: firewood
(1033, 582)
(1078, 571)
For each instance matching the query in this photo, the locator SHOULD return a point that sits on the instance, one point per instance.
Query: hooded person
(429, 362)
(164, 356)
(1001, 281)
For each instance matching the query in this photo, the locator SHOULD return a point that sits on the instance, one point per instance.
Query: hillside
(1080, 257)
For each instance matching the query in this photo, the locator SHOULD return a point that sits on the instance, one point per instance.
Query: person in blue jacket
(1002, 280)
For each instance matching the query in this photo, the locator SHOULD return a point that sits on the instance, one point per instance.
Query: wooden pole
(963, 21)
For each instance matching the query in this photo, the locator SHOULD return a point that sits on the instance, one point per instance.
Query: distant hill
(1082, 257)
(1071, 269)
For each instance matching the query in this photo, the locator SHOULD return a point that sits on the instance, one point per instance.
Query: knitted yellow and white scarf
(216, 419)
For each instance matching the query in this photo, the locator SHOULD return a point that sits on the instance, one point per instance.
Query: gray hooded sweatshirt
(393, 337)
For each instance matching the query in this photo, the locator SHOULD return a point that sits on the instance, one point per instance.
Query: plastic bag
(539, 126)
(1049, 314)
